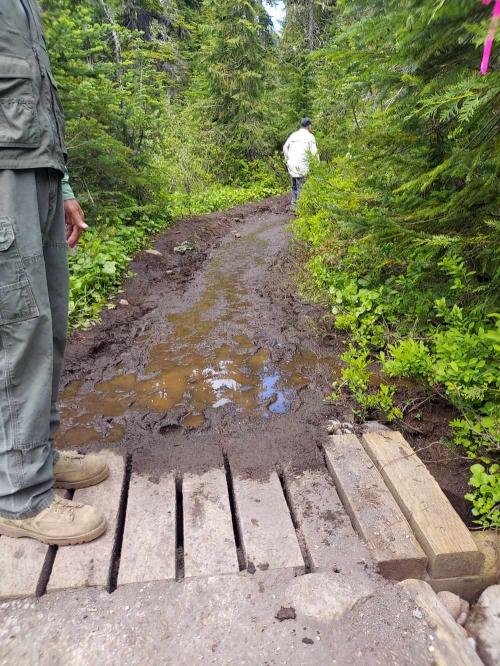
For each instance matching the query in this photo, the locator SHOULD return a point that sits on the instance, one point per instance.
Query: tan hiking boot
(62, 523)
(73, 470)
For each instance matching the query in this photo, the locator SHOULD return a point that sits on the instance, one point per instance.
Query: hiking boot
(62, 523)
(73, 470)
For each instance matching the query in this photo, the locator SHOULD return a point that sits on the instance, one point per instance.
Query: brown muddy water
(219, 347)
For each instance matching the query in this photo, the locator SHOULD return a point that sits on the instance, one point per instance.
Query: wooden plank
(209, 546)
(439, 529)
(148, 547)
(373, 510)
(269, 539)
(451, 647)
(23, 559)
(470, 587)
(330, 538)
(87, 565)
(467, 587)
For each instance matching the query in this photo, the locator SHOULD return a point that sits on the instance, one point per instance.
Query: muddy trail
(214, 356)
(212, 363)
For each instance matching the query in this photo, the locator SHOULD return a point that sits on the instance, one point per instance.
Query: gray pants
(297, 184)
(33, 321)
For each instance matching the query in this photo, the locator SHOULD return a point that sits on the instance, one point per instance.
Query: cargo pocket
(19, 127)
(17, 301)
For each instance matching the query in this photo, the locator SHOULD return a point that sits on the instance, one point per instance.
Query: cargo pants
(33, 322)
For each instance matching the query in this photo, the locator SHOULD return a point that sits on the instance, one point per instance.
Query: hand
(73, 218)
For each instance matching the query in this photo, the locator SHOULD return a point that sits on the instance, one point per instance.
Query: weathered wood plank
(21, 562)
(209, 546)
(467, 587)
(451, 647)
(330, 538)
(373, 510)
(87, 565)
(148, 547)
(439, 529)
(269, 539)
(470, 587)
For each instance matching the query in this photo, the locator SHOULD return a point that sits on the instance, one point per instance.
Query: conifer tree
(232, 63)
(306, 28)
(403, 214)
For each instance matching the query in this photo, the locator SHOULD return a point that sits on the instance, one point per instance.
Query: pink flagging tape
(488, 45)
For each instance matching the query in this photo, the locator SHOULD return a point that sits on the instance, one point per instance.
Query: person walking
(39, 218)
(298, 150)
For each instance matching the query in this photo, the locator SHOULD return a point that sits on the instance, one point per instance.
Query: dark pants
(297, 184)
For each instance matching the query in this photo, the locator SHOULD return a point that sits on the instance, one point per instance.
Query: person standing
(298, 150)
(39, 218)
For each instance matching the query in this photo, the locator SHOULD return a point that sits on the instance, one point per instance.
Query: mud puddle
(239, 374)
(219, 348)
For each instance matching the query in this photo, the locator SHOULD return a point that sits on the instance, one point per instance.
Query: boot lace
(71, 455)
(65, 507)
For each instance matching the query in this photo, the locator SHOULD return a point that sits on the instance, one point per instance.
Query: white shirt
(297, 150)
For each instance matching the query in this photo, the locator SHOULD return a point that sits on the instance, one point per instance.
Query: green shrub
(485, 493)
(356, 376)
(400, 221)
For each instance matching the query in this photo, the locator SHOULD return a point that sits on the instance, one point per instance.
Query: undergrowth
(429, 334)
(402, 218)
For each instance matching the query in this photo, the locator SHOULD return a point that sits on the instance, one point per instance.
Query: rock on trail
(483, 625)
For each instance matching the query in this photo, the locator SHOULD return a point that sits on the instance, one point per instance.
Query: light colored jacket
(298, 149)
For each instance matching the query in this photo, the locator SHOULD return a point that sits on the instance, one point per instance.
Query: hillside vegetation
(402, 220)
(164, 103)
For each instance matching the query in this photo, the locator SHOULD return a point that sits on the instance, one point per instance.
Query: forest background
(180, 107)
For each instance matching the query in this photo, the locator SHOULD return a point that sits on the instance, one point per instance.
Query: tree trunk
(310, 28)
(114, 34)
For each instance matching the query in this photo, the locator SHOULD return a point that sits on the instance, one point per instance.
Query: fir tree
(232, 63)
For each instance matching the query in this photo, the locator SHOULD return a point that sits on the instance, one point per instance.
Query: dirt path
(214, 358)
(213, 355)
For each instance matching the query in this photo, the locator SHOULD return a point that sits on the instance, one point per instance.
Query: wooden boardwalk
(211, 524)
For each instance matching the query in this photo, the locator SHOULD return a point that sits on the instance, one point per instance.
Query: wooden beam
(209, 546)
(269, 539)
(328, 533)
(88, 564)
(439, 529)
(148, 547)
(373, 510)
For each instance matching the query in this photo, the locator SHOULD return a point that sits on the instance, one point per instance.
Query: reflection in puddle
(240, 374)
(206, 361)
(276, 400)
